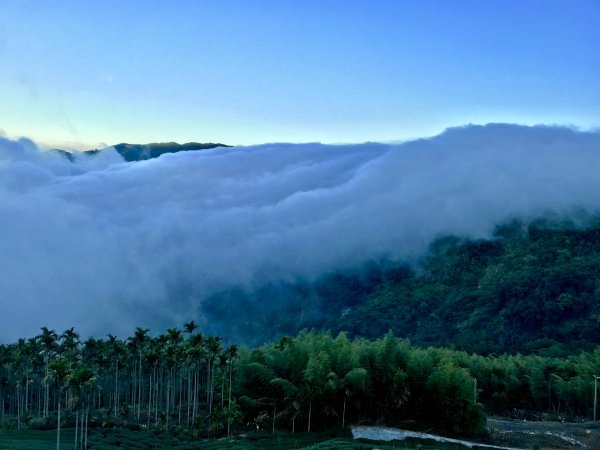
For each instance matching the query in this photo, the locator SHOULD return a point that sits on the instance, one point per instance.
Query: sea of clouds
(105, 245)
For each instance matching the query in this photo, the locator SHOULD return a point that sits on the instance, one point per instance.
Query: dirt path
(397, 434)
(545, 435)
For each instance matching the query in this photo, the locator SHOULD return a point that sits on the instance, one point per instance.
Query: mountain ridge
(142, 152)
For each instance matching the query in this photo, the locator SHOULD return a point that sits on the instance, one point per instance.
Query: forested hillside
(529, 289)
(526, 290)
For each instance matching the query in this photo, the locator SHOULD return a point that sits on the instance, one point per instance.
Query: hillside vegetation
(533, 289)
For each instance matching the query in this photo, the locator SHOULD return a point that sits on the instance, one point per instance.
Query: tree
(48, 339)
(190, 327)
(83, 380)
(315, 377)
(232, 353)
(354, 381)
(59, 374)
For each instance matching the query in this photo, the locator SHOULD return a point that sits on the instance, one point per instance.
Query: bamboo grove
(184, 381)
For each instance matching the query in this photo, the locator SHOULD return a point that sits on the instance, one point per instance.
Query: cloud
(105, 245)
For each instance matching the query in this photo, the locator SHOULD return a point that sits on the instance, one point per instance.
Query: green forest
(531, 289)
(182, 380)
(506, 326)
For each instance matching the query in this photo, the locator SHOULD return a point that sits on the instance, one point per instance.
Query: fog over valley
(106, 245)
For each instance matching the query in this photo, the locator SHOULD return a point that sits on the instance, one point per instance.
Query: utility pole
(474, 390)
(595, 394)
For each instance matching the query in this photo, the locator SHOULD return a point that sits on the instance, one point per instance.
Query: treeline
(184, 381)
(176, 379)
(528, 289)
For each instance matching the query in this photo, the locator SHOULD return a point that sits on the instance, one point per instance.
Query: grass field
(112, 439)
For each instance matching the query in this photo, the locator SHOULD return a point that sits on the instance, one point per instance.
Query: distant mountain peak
(141, 152)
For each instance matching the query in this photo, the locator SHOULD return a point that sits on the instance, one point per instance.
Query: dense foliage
(533, 289)
(311, 382)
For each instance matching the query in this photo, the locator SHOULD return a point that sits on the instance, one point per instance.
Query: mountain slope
(528, 289)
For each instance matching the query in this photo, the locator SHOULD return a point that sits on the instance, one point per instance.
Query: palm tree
(48, 340)
(70, 341)
(190, 327)
(137, 342)
(83, 380)
(213, 345)
(26, 351)
(59, 374)
(5, 362)
(196, 354)
(151, 357)
(117, 348)
(232, 352)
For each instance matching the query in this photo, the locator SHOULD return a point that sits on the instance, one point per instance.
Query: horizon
(72, 148)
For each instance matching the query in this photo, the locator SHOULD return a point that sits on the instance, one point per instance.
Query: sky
(86, 74)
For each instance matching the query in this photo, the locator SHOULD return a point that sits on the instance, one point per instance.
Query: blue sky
(89, 73)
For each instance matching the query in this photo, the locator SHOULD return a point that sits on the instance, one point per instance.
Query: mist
(106, 245)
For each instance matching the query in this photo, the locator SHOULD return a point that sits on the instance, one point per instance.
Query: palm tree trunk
(149, 397)
(133, 387)
(344, 412)
(47, 389)
(26, 390)
(222, 389)
(196, 393)
(2, 407)
(140, 389)
(167, 391)
(81, 434)
(155, 392)
(208, 389)
(229, 401)
(189, 395)
(309, 412)
(179, 407)
(86, 430)
(76, 424)
(116, 386)
(274, 413)
(58, 426)
(18, 407)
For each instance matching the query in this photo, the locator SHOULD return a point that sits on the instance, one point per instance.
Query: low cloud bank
(105, 245)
